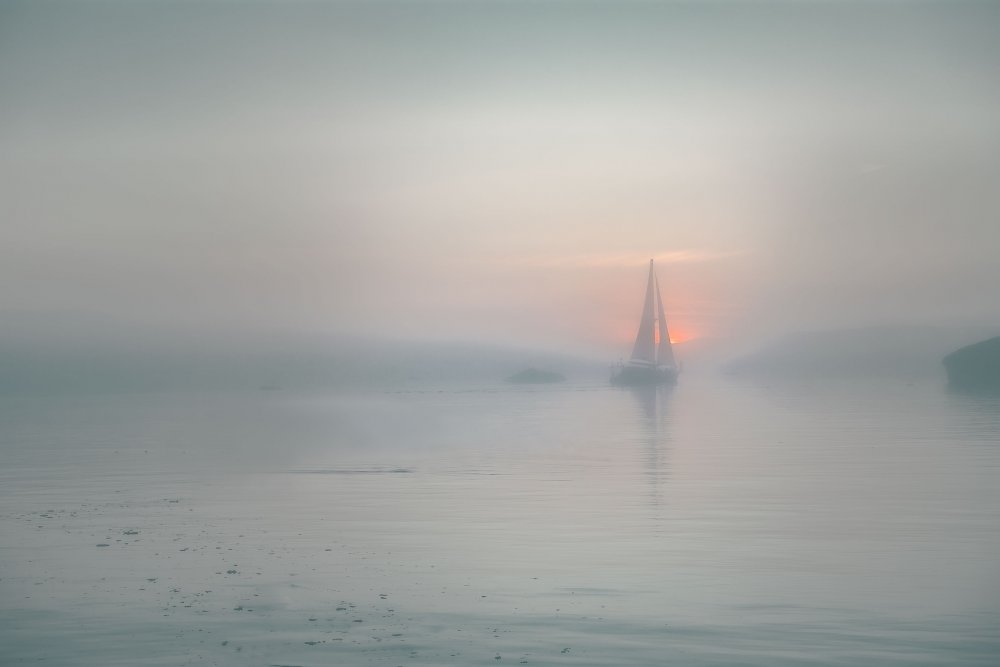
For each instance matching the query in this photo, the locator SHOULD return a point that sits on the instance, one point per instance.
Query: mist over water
(270, 273)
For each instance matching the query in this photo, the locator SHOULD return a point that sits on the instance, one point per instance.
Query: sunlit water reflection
(712, 524)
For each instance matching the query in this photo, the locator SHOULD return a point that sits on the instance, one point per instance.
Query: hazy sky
(501, 171)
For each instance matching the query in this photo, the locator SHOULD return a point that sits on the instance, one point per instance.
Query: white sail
(644, 350)
(664, 350)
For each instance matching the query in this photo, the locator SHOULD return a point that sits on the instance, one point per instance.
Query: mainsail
(644, 350)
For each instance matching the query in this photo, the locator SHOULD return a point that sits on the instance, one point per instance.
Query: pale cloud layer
(501, 171)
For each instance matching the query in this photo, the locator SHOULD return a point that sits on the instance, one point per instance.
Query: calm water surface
(717, 523)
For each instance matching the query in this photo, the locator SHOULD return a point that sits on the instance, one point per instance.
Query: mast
(644, 350)
(664, 351)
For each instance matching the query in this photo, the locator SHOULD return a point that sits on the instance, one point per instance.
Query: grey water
(718, 522)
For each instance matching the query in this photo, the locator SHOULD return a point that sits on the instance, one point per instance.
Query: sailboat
(652, 360)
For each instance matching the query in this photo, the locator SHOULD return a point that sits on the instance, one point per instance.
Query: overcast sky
(501, 171)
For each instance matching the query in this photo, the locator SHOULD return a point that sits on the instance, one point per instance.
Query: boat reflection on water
(653, 434)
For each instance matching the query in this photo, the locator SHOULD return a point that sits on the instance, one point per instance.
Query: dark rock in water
(535, 376)
(975, 366)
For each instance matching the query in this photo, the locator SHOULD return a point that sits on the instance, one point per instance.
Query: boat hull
(632, 376)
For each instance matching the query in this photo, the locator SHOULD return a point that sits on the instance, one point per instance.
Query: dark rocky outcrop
(976, 366)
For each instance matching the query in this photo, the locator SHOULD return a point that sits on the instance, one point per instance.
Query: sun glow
(677, 337)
